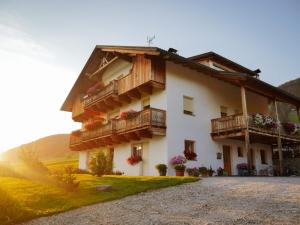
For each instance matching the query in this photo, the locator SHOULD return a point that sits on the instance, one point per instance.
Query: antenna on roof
(150, 40)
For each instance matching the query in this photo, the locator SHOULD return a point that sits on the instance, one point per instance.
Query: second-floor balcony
(143, 124)
(262, 129)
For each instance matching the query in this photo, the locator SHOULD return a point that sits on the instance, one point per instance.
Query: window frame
(139, 151)
(187, 112)
(192, 150)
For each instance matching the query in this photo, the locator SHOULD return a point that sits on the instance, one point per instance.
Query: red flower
(190, 155)
(134, 159)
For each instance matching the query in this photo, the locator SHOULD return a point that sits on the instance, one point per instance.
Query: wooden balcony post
(279, 144)
(298, 112)
(245, 115)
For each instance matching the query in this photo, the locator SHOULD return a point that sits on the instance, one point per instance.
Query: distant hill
(292, 87)
(54, 147)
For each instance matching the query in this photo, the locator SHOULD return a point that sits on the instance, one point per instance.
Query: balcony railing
(237, 122)
(108, 90)
(145, 119)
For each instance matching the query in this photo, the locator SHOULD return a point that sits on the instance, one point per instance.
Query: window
(136, 150)
(189, 150)
(223, 110)
(188, 107)
(146, 103)
(240, 152)
(263, 157)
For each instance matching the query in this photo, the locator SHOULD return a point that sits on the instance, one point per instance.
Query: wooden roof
(223, 61)
(253, 84)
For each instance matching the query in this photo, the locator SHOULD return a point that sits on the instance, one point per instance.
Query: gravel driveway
(215, 200)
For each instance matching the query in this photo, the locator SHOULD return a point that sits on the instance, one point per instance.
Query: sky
(45, 44)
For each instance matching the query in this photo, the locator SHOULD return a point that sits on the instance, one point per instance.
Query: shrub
(101, 164)
(31, 161)
(65, 178)
(10, 209)
(193, 172)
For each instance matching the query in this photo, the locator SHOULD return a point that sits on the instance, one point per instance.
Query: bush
(31, 161)
(101, 164)
(194, 172)
(10, 209)
(65, 178)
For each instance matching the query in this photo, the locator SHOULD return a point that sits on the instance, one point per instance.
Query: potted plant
(162, 169)
(291, 128)
(220, 171)
(179, 168)
(210, 171)
(203, 171)
(76, 133)
(194, 172)
(178, 163)
(242, 169)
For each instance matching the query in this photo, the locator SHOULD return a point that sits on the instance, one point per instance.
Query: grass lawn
(59, 164)
(21, 199)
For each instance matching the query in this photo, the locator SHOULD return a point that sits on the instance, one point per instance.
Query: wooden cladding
(77, 110)
(146, 123)
(143, 71)
(145, 75)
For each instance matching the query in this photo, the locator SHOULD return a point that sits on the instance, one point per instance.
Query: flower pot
(179, 173)
(162, 173)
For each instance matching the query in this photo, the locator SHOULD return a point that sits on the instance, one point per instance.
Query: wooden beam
(103, 66)
(125, 98)
(245, 115)
(279, 143)
(144, 134)
(145, 89)
(134, 94)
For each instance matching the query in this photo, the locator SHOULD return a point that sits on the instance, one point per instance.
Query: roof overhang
(253, 84)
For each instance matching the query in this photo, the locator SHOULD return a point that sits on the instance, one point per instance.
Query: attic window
(218, 67)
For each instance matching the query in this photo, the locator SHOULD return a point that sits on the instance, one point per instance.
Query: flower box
(134, 159)
(128, 114)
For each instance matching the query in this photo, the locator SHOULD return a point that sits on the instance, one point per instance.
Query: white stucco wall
(83, 160)
(208, 95)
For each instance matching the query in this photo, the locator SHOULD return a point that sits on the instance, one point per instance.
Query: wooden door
(227, 159)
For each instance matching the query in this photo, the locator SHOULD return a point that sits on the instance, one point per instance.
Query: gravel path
(215, 200)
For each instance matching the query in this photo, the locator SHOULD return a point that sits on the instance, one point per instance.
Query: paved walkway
(215, 200)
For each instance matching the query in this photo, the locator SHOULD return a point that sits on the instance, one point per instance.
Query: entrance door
(227, 159)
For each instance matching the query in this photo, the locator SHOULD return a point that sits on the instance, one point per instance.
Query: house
(152, 103)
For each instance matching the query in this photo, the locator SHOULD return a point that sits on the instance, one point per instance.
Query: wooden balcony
(146, 75)
(145, 124)
(234, 127)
